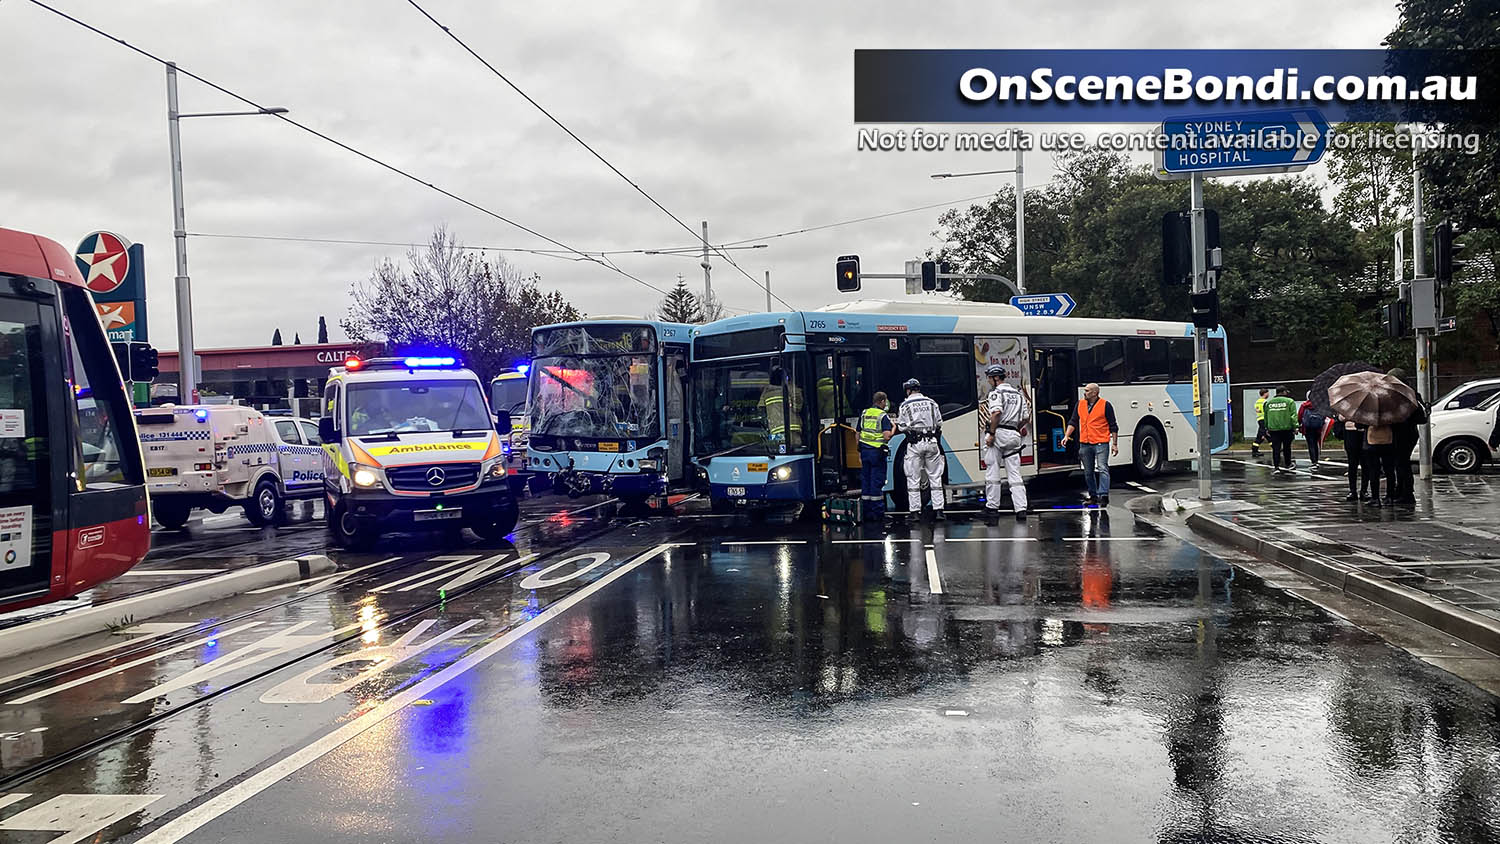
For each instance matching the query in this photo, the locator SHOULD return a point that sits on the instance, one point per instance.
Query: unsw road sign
(1283, 141)
(1045, 304)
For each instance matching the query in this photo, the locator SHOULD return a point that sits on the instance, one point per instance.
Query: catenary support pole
(187, 371)
(1020, 221)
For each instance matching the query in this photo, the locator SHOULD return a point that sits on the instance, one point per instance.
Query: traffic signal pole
(1200, 340)
(1424, 351)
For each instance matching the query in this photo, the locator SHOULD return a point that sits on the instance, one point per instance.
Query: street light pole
(187, 375)
(1020, 171)
(1424, 353)
(187, 369)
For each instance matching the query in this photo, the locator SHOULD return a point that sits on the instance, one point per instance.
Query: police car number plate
(437, 515)
(161, 472)
(735, 491)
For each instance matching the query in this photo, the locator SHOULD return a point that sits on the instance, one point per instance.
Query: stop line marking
(195, 818)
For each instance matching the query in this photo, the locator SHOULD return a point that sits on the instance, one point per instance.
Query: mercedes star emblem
(435, 476)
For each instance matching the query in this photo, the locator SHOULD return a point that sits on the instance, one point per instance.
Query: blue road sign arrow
(1283, 141)
(1045, 304)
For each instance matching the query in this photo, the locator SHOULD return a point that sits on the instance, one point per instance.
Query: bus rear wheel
(1149, 451)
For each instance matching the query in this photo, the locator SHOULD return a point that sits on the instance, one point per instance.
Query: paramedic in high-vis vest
(875, 429)
(1007, 413)
(921, 420)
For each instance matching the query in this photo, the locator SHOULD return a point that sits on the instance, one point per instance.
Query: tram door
(842, 378)
(674, 377)
(1054, 375)
(32, 492)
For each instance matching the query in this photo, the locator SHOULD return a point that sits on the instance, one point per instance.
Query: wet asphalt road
(1078, 676)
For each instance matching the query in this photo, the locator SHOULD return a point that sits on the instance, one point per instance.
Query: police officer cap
(912, 384)
(995, 370)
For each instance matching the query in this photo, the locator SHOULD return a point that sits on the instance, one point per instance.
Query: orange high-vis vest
(1093, 427)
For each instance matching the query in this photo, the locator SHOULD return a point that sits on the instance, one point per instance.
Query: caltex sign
(114, 269)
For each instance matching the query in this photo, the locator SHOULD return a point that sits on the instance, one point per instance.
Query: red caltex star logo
(103, 260)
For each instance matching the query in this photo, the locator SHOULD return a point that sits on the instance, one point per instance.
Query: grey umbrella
(1318, 393)
(1372, 398)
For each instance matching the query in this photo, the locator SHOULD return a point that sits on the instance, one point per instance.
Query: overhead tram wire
(346, 147)
(686, 251)
(642, 191)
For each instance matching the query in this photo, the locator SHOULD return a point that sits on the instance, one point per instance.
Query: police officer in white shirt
(1007, 413)
(921, 420)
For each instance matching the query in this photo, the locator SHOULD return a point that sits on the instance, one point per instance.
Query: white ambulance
(220, 456)
(410, 444)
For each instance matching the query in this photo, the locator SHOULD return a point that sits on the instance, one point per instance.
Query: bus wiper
(463, 432)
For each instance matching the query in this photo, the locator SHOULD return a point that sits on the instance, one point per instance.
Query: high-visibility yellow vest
(1260, 409)
(869, 427)
(773, 405)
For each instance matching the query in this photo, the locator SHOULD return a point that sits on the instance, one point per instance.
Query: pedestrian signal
(1206, 309)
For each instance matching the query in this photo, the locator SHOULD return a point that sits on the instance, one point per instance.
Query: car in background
(1468, 394)
(1461, 436)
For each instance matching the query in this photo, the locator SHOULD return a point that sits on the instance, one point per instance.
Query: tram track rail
(112, 737)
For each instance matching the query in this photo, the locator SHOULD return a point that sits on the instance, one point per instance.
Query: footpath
(1437, 562)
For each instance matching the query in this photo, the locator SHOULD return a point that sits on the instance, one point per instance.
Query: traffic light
(929, 275)
(1393, 318)
(943, 284)
(144, 362)
(848, 273)
(1446, 248)
(137, 361)
(1177, 245)
(1206, 309)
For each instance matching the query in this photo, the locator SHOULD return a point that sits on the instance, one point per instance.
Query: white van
(219, 456)
(410, 444)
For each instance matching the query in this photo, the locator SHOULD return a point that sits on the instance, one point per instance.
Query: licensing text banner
(1148, 86)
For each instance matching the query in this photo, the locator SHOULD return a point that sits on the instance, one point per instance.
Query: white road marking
(453, 563)
(989, 539)
(14, 797)
(538, 580)
(863, 541)
(961, 713)
(934, 579)
(1267, 468)
(89, 678)
(275, 644)
(769, 542)
(194, 819)
(148, 632)
(170, 572)
(1141, 487)
(1111, 538)
(78, 815)
(335, 577)
(484, 567)
(381, 659)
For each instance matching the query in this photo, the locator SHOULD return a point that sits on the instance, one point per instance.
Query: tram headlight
(366, 476)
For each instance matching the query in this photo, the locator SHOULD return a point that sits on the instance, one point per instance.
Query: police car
(220, 456)
(410, 444)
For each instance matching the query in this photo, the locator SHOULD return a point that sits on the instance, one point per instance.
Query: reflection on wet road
(1078, 676)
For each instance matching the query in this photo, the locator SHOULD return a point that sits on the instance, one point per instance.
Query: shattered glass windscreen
(611, 396)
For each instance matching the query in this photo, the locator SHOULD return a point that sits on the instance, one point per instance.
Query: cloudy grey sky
(738, 113)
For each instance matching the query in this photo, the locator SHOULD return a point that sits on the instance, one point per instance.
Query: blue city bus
(605, 406)
(776, 397)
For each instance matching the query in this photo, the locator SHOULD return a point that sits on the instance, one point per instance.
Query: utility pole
(187, 374)
(1020, 222)
(708, 287)
(768, 291)
(1205, 381)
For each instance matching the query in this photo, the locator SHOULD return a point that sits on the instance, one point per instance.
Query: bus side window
(1182, 360)
(1146, 359)
(1101, 360)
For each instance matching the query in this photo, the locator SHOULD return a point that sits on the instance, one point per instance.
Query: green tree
(446, 297)
(1373, 185)
(322, 330)
(680, 305)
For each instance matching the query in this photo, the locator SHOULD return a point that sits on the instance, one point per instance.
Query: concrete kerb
(1472, 627)
(34, 635)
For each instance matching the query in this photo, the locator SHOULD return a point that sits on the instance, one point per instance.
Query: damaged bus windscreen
(594, 382)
